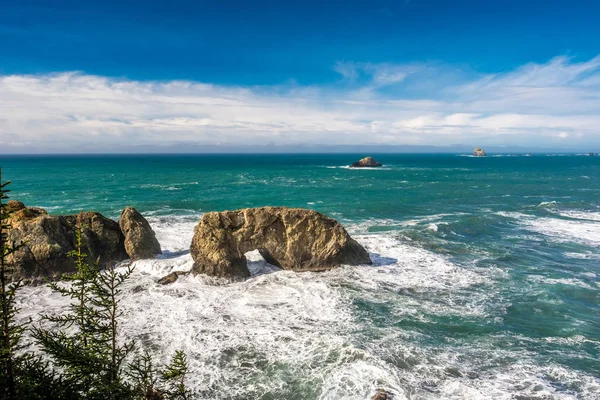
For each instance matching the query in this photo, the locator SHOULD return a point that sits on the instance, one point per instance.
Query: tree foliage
(88, 359)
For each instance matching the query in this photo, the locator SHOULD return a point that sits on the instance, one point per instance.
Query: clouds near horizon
(553, 104)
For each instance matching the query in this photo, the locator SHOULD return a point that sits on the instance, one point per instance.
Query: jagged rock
(382, 395)
(140, 240)
(290, 238)
(14, 206)
(172, 277)
(479, 152)
(366, 162)
(46, 241)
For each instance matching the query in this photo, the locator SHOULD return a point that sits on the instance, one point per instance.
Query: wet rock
(172, 277)
(366, 162)
(290, 238)
(382, 395)
(140, 240)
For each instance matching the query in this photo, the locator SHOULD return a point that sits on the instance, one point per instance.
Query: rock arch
(290, 238)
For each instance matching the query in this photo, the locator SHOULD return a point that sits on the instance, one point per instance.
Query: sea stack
(366, 163)
(140, 240)
(47, 241)
(293, 239)
(479, 152)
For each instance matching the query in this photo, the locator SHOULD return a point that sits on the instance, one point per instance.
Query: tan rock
(382, 395)
(172, 277)
(46, 241)
(140, 240)
(290, 238)
(366, 162)
(479, 152)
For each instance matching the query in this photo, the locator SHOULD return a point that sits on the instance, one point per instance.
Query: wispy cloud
(550, 104)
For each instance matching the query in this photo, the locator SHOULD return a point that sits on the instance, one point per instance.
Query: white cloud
(536, 104)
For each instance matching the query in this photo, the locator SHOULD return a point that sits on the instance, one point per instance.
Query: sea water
(485, 281)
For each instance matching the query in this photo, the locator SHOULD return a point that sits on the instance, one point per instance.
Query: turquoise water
(485, 282)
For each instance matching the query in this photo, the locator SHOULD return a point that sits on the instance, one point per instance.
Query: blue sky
(103, 75)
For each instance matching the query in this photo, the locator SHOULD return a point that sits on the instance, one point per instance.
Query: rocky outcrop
(366, 162)
(45, 241)
(290, 238)
(479, 152)
(140, 240)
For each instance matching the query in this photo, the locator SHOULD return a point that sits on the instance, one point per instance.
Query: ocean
(485, 282)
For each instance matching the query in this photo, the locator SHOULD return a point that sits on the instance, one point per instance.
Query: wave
(340, 334)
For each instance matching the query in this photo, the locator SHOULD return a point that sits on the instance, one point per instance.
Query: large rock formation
(479, 152)
(366, 162)
(290, 238)
(140, 240)
(46, 241)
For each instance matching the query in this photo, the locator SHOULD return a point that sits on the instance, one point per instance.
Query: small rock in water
(172, 277)
(382, 395)
(366, 162)
(479, 152)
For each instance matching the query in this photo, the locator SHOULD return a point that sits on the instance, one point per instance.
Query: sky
(191, 76)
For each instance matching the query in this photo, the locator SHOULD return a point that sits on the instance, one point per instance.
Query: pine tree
(85, 346)
(174, 376)
(11, 331)
(147, 379)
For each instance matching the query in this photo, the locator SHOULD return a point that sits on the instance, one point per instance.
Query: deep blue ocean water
(485, 281)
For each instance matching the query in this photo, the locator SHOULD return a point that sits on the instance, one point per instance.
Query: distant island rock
(593, 154)
(46, 241)
(366, 162)
(293, 239)
(479, 152)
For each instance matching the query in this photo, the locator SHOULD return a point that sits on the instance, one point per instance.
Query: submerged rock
(46, 240)
(290, 238)
(479, 152)
(140, 239)
(366, 162)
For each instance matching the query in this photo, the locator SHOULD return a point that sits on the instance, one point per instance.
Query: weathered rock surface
(290, 238)
(172, 277)
(366, 162)
(46, 241)
(140, 240)
(479, 152)
(382, 395)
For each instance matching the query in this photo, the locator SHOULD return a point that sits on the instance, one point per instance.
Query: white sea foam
(562, 230)
(584, 230)
(383, 168)
(583, 215)
(290, 335)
